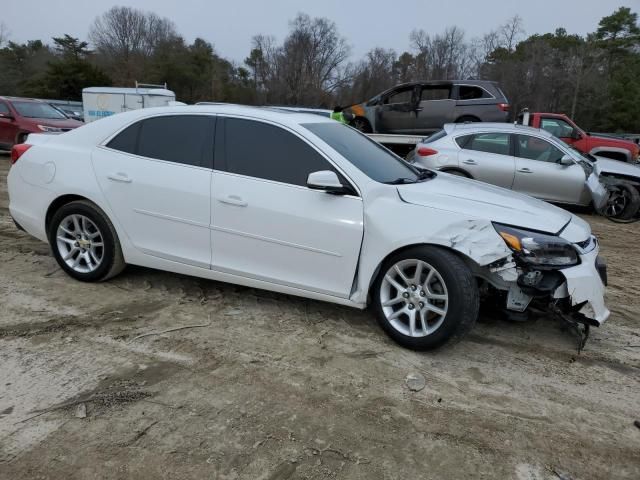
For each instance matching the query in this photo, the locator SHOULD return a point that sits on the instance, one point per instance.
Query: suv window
(4, 108)
(557, 127)
(400, 96)
(434, 93)
(261, 150)
(535, 148)
(185, 139)
(467, 92)
(497, 143)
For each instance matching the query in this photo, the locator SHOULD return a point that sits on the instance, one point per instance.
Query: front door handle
(233, 200)
(525, 170)
(119, 177)
(469, 161)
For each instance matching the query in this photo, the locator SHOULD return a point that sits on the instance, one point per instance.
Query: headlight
(47, 128)
(538, 249)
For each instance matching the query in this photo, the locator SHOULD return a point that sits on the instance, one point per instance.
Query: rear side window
(261, 150)
(496, 143)
(127, 140)
(434, 93)
(467, 92)
(184, 139)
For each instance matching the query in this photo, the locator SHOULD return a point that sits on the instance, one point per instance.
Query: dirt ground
(276, 387)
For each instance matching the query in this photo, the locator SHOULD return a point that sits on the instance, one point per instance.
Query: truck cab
(565, 129)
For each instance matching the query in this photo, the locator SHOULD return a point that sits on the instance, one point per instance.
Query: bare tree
(125, 37)
(4, 34)
(511, 32)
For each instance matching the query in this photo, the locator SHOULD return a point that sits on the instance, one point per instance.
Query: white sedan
(302, 205)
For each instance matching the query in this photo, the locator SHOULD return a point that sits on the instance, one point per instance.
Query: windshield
(371, 158)
(37, 110)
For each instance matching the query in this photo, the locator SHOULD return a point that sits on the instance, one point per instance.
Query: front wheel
(425, 297)
(84, 242)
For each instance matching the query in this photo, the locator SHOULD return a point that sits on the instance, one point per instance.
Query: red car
(21, 116)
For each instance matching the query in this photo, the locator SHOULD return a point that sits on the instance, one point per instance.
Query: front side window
(184, 139)
(534, 148)
(467, 92)
(38, 110)
(496, 143)
(557, 127)
(371, 158)
(266, 151)
(3, 108)
(434, 93)
(400, 96)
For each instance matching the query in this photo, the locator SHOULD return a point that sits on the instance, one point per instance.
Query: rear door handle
(525, 170)
(233, 200)
(119, 177)
(470, 162)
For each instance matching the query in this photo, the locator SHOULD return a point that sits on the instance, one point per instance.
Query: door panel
(435, 108)
(164, 207)
(488, 167)
(539, 173)
(396, 114)
(285, 233)
(550, 181)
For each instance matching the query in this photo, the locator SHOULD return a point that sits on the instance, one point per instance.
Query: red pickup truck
(564, 128)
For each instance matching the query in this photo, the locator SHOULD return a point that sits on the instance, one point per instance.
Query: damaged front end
(549, 273)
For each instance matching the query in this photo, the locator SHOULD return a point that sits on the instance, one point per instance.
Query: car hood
(61, 123)
(608, 165)
(611, 141)
(480, 200)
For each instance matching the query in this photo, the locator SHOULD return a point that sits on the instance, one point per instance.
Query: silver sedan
(524, 159)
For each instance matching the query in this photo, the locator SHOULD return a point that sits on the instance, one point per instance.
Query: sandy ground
(277, 387)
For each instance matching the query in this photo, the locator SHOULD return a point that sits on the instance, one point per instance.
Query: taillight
(504, 107)
(18, 150)
(426, 152)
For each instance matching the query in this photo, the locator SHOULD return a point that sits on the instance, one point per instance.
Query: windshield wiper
(400, 181)
(424, 174)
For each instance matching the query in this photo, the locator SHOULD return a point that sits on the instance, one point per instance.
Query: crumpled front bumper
(585, 287)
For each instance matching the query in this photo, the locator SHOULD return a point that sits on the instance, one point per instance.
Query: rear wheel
(84, 242)
(425, 297)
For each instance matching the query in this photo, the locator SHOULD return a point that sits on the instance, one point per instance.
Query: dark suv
(424, 107)
(21, 116)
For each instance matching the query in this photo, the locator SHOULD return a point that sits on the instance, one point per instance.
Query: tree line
(593, 78)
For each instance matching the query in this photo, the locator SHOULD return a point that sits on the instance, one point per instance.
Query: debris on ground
(80, 411)
(415, 382)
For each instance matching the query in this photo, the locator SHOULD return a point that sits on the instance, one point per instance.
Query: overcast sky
(230, 24)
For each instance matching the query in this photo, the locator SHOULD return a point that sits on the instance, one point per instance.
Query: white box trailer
(102, 102)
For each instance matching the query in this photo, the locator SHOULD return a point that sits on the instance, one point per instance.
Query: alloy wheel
(414, 298)
(80, 243)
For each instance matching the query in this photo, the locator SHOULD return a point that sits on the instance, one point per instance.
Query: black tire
(21, 138)
(112, 260)
(467, 119)
(362, 124)
(463, 298)
(630, 198)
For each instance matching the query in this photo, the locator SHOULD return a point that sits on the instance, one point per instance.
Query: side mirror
(575, 135)
(566, 160)
(327, 181)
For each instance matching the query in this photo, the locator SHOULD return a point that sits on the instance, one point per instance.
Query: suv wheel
(425, 297)
(84, 242)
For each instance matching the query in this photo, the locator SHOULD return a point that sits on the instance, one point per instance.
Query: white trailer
(102, 102)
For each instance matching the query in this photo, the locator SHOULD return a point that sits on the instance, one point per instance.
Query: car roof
(471, 127)
(22, 99)
(95, 132)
